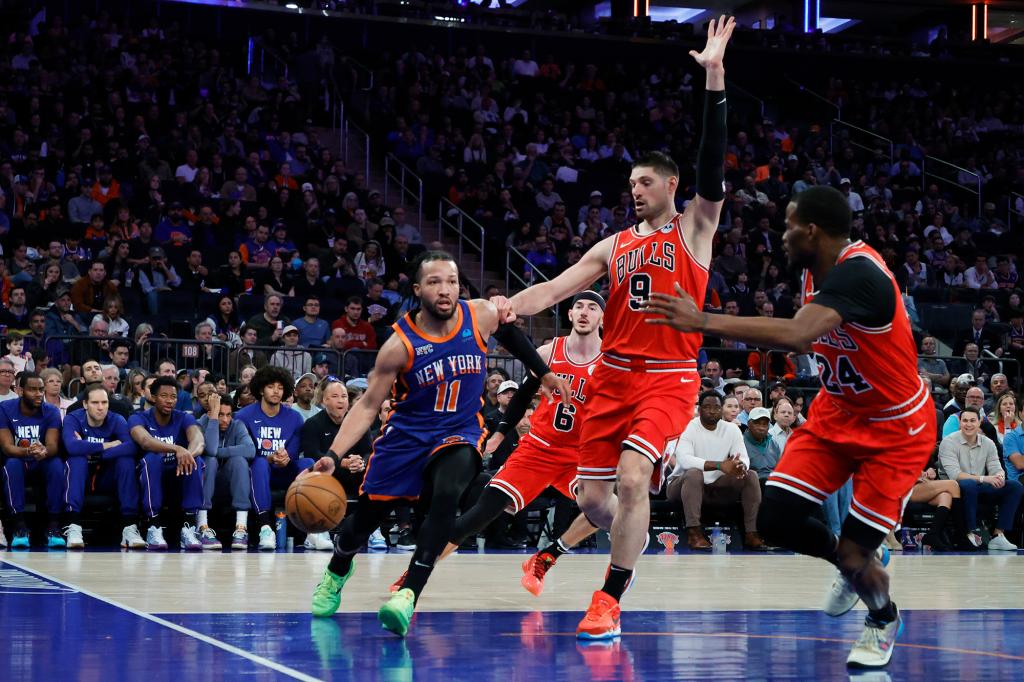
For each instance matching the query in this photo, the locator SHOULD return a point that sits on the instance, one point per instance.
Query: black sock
(190, 519)
(53, 525)
(263, 519)
(73, 517)
(152, 521)
(941, 515)
(340, 563)
(883, 616)
(555, 549)
(129, 521)
(615, 583)
(18, 523)
(417, 577)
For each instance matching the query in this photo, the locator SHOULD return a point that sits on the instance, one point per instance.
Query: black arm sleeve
(520, 347)
(711, 154)
(860, 292)
(517, 406)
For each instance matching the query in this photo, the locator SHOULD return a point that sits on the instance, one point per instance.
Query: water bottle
(282, 531)
(717, 540)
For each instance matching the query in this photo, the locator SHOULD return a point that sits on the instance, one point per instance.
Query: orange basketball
(315, 503)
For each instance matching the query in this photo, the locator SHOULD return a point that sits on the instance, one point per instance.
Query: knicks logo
(24, 443)
(452, 440)
(425, 349)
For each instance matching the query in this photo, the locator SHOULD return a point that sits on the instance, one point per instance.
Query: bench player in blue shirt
(434, 367)
(100, 450)
(30, 442)
(170, 442)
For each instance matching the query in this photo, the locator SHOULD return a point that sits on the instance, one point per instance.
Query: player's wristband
(334, 457)
(718, 466)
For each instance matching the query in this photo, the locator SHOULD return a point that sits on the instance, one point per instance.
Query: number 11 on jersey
(447, 396)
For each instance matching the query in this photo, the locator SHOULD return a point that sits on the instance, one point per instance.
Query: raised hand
(718, 37)
(504, 306)
(551, 382)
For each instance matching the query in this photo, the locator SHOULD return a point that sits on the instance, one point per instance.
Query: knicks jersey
(640, 265)
(555, 424)
(870, 371)
(441, 388)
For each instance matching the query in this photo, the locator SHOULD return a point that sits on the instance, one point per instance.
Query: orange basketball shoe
(397, 585)
(534, 569)
(602, 618)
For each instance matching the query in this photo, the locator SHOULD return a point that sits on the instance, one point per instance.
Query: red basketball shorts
(534, 467)
(885, 459)
(635, 409)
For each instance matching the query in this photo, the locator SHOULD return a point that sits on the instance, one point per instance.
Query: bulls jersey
(867, 365)
(640, 265)
(555, 424)
(441, 388)
(31, 429)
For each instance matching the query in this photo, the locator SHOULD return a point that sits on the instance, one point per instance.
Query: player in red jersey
(549, 454)
(646, 386)
(873, 418)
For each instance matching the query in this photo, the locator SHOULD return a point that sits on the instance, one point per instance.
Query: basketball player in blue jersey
(276, 431)
(434, 365)
(30, 442)
(170, 441)
(101, 450)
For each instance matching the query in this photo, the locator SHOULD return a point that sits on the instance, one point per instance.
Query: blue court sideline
(52, 632)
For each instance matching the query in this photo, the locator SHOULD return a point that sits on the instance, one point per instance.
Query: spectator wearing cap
(292, 357)
(281, 245)
(596, 200)
(711, 463)
(756, 440)
(60, 319)
(321, 366)
(852, 198)
(376, 211)
(155, 277)
(303, 395)
(493, 418)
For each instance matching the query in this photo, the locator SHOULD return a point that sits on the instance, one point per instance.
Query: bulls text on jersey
(656, 253)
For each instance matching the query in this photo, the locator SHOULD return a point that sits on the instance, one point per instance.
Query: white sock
(201, 518)
(241, 518)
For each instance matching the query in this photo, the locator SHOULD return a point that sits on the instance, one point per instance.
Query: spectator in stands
(156, 277)
(227, 454)
(969, 458)
(940, 495)
(309, 284)
(750, 400)
(973, 397)
(359, 334)
(980, 334)
(1004, 415)
(711, 463)
(404, 229)
(730, 408)
(931, 367)
(783, 419)
(713, 370)
(52, 384)
(29, 442)
(269, 324)
(292, 357)
(971, 363)
(16, 314)
(134, 390)
(756, 440)
(1013, 450)
(17, 355)
(313, 331)
(170, 441)
(100, 454)
(321, 428)
(303, 394)
(60, 320)
(980, 276)
(120, 356)
(7, 391)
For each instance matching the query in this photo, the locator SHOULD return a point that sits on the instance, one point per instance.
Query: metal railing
(409, 185)
(466, 229)
(263, 62)
(859, 138)
(521, 272)
(954, 175)
(814, 95)
(1015, 210)
(352, 140)
(185, 353)
(732, 86)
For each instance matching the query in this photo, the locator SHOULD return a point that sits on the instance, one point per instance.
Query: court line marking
(802, 638)
(259, 660)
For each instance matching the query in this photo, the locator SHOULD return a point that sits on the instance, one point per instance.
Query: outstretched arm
(681, 313)
(706, 209)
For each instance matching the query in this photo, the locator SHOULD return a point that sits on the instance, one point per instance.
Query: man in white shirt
(711, 462)
(852, 198)
(186, 172)
(525, 66)
(980, 276)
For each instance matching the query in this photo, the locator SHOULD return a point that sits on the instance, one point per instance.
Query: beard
(431, 308)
